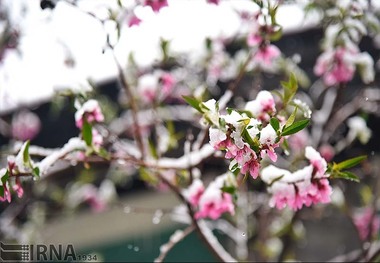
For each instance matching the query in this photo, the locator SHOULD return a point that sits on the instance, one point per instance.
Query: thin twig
(174, 239)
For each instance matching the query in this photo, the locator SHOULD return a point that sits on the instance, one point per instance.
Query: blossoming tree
(283, 149)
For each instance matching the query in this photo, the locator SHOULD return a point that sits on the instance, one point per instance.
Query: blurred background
(53, 47)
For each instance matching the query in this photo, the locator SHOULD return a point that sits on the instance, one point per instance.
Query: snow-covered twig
(177, 236)
(72, 145)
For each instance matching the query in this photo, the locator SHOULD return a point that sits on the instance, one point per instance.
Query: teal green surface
(145, 248)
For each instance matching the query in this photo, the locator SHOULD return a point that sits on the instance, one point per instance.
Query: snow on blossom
(213, 112)
(336, 65)
(365, 220)
(156, 5)
(25, 125)
(89, 111)
(216, 137)
(358, 129)
(305, 186)
(315, 158)
(194, 192)
(268, 138)
(213, 202)
(263, 106)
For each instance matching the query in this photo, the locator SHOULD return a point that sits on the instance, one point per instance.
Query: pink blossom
(268, 138)
(319, 164)
(253, 166)
(283, 194)
(362, 221)
(18, 188)
(254, 39)
(265, 55)
(25, 125)
(90, 111)
(299, 141)
(168, 82)
(327, 152)
(7, 194)
(134, 21)
(156, 5)
(214, 203)
(336, 66)
(215, 2)
(263, 106)
(194, 192)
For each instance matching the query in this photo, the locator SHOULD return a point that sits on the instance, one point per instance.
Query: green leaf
(25, 154)
(347, 176)
(275, 124)
(290, 88)
(147, 176)
(229, 189)
(292, 118)
(87, 133)
(104, 154)
(193, 102)
(5, 177)
(1, 191)
(254, 145)
(349, 163)
(36, 172)
(295, 127)
(152, 149)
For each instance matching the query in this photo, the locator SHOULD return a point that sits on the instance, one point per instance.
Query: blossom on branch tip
(263, 106)
(89, 111)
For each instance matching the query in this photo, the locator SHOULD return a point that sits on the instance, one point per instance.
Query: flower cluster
(341, 56)
(211, 202)
(259, 38)
(156, 86)
(307, 186)
(246, 137)
(90, 112)
(17, 166)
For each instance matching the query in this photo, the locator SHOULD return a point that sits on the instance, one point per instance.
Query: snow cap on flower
(91, 111)
(358, 129)
(194, 192)
(262, 106)
(315, 158)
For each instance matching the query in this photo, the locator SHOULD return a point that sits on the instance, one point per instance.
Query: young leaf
(347, 175)
(5, 177)
(228, 189)
(349, 163)
(275, 124)
(292, 118)
(36, 172)
(87, 133)
(193, 102)
(290, 88)
(25, 154)
(249, 140)
(295, 127)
